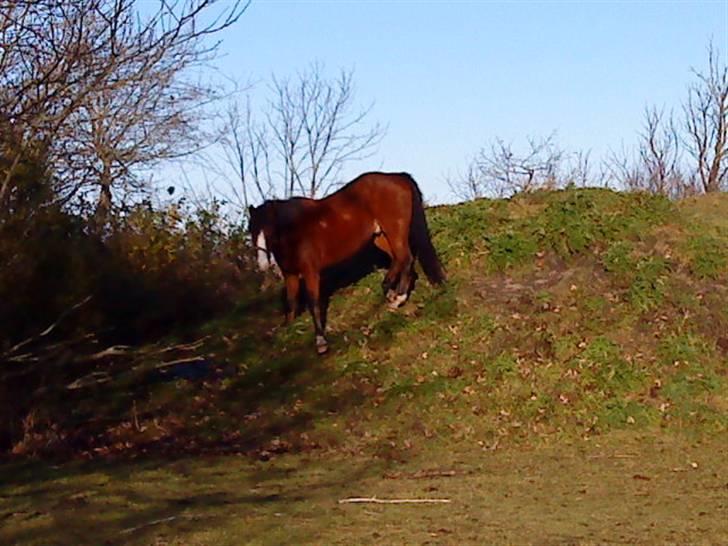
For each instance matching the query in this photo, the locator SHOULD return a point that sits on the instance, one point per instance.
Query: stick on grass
(374, 500)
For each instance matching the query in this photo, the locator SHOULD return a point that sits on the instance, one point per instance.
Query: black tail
(420, 239)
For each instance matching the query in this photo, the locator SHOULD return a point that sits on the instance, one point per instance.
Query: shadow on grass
(252, 387)
(103, 502)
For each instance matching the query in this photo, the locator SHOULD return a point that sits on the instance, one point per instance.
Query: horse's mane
(287, 211)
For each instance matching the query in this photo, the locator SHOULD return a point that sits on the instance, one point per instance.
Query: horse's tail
(420, 239)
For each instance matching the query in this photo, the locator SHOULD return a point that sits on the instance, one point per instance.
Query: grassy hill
(573, 315)
(567, 313)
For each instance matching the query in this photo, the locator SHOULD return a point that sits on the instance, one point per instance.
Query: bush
(152, 273)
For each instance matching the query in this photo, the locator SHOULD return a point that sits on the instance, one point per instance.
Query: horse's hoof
(322, 347)
(397, 301)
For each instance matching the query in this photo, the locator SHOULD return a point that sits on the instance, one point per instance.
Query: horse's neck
(285, 220)
(290, 215)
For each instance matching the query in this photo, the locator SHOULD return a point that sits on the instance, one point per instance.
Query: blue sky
(447, 77)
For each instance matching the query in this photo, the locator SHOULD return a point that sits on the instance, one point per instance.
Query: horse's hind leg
(381, 242)
(398, 278)
(406, 279)
(399, 295)
(313, 288)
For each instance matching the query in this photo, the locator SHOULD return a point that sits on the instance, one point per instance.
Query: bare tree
(499, 171)
(622, 170)
(660, 155)
(246, 156)
(578, 168)
(706, 123)
(299, 141)
(106, 89)
(316, 130)
(656, 166)
(470, 185)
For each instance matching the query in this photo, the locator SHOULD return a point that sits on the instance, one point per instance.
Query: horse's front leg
(293, 285)
(313, 287)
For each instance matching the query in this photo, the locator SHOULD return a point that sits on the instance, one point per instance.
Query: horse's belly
(343, 251)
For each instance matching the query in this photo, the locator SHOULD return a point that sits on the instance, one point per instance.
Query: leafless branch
(706, 123)
(657, 165)
(499, 171)
(305, 133)
(317, 130)
(104, 89)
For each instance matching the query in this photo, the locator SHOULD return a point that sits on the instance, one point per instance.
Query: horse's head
(259, 222)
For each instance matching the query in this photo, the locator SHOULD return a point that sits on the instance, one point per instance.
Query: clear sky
(447, 77)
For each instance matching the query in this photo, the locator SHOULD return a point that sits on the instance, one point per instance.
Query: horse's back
(377, 193)
(381, 182)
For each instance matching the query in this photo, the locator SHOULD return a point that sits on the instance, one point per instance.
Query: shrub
(152, 273)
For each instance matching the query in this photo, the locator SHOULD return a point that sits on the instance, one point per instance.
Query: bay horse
(303, 237)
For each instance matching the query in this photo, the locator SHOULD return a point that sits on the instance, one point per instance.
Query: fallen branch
(114, 350)
(183, 346)
(187, 360)
(94, 378)
(375, 500)
(421, 474)
(148, 524)
(15, 348)
(613, 456)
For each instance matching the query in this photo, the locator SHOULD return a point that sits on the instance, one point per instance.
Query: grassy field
(626, 488)
(568, 385)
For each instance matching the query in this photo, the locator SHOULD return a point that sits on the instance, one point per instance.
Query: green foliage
(595, 305)
(605, 369)
(510, 249)
(708, 256)
(689, 359)
(648, 284)
(618, 413)
(152, 273)
(458, 230)
(503, 365)
(579, 220)
(618, 260)
(441, 305)
(571, 225)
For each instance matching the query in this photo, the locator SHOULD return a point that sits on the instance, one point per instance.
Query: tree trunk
(103, 205)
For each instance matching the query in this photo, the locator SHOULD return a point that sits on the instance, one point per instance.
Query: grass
(557, 311)
(570, 319)
(628, 488)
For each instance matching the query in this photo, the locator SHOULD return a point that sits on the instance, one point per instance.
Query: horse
(303, 237)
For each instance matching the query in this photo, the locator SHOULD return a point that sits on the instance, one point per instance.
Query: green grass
(630, 488)
(562, 301)
(569, 316)
(708, 256)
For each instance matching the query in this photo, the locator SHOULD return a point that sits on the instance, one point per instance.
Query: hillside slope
(568, 385)
(566, 314)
